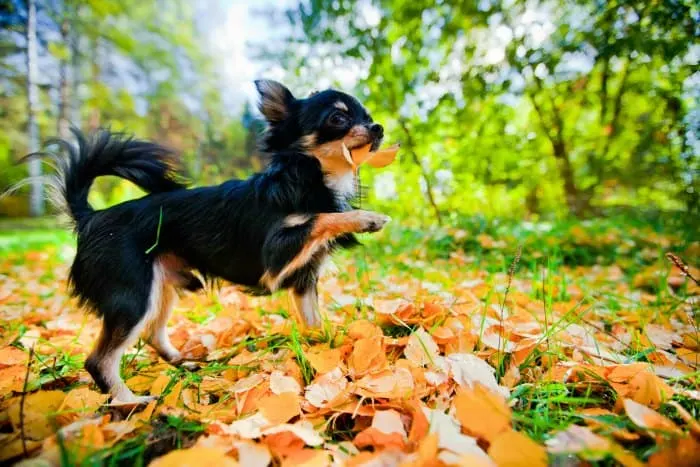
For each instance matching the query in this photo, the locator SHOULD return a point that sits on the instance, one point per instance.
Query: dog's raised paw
(373, 221)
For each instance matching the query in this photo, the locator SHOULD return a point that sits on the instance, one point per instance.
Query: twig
(22, 399)
(680, 264)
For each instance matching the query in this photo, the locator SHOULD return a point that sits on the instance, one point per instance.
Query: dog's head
(318, 125)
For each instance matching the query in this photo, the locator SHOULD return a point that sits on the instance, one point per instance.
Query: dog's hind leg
(104, 361)
(304, 303)
(125, 317)
(156, 329)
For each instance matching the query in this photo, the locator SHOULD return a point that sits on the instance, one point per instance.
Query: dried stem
(511, 273)
(680, 264)
(22, 399)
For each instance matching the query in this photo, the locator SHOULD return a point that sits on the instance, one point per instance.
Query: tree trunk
(424, 173)
(63, 124)
(94, 116)
(576, 201)
(74, 36)
(36, 197)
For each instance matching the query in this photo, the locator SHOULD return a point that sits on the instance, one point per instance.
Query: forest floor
(488, 344)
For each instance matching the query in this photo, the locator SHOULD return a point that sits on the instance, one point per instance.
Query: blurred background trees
(515, 108)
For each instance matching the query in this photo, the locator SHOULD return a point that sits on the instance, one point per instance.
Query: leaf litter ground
(480, 345)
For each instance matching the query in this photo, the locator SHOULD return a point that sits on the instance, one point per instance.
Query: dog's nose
(376, 130)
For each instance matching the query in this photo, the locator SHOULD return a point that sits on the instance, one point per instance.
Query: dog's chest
(342, 185)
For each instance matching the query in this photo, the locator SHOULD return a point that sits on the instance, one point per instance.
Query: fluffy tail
(147, 165)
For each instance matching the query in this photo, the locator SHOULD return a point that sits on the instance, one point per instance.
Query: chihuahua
(269, 232)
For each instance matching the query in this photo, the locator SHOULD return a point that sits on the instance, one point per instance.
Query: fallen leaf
(648, 419)
(280, 408)
(39, 413)
(513, 449)
(326, 388)
(323, 359)
(279, 383)
(10, 356)
(252, 454)
(367, 356)
(482, 413)
(194, 457)
(682, 452)
(173, 396)
(467, 369)
(579, 440)
(421, 349)
(79, 403)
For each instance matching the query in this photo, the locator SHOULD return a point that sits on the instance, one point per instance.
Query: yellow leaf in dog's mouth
(376, 159)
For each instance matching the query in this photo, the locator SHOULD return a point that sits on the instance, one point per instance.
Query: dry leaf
(39, 413)
(173, 396)
(467, 369)
(252, 454)
(279, 383)
(10, 356)
(326, 388)
(194, 457)
(79, 403)
(514, 449)
(579, 440)
(683, 452)
(367, 356)
(648, 419)
(481, 412)
(323, 359)
(280, 408)
(421, 349)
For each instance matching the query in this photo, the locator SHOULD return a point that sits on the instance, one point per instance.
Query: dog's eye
(338, 119)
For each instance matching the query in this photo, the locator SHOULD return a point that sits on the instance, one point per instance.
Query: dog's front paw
(372, 221)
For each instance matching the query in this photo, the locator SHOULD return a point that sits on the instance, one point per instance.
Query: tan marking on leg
(327, 227)
(305, 307)
(109, 349)
(108, 357)
(158, 332)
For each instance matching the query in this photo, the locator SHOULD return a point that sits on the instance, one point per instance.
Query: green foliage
(133, 66)
(518, 107)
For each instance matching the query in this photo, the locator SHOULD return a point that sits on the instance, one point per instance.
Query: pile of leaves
(430, 354)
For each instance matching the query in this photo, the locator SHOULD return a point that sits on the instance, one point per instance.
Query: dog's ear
(275, 100)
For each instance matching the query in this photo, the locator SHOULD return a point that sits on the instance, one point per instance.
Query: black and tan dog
(269, 232)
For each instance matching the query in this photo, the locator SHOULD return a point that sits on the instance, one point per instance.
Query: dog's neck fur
(295, 181)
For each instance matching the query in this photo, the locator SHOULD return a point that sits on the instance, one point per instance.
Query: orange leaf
(367, 356)
(513, 449)
(372, 437)
(79, 403)
(284, 443)
(363, 329)
(648, 389)
(683, 452)
(420, 425)
(12, 356)
(307, 458)
(280, 408)
(12, 379)
(173, 396)
(323, 359)
(481, 412)
(377, 159)
(649, 419)
(195, 456)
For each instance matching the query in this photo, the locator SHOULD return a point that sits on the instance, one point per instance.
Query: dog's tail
(147, 165)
